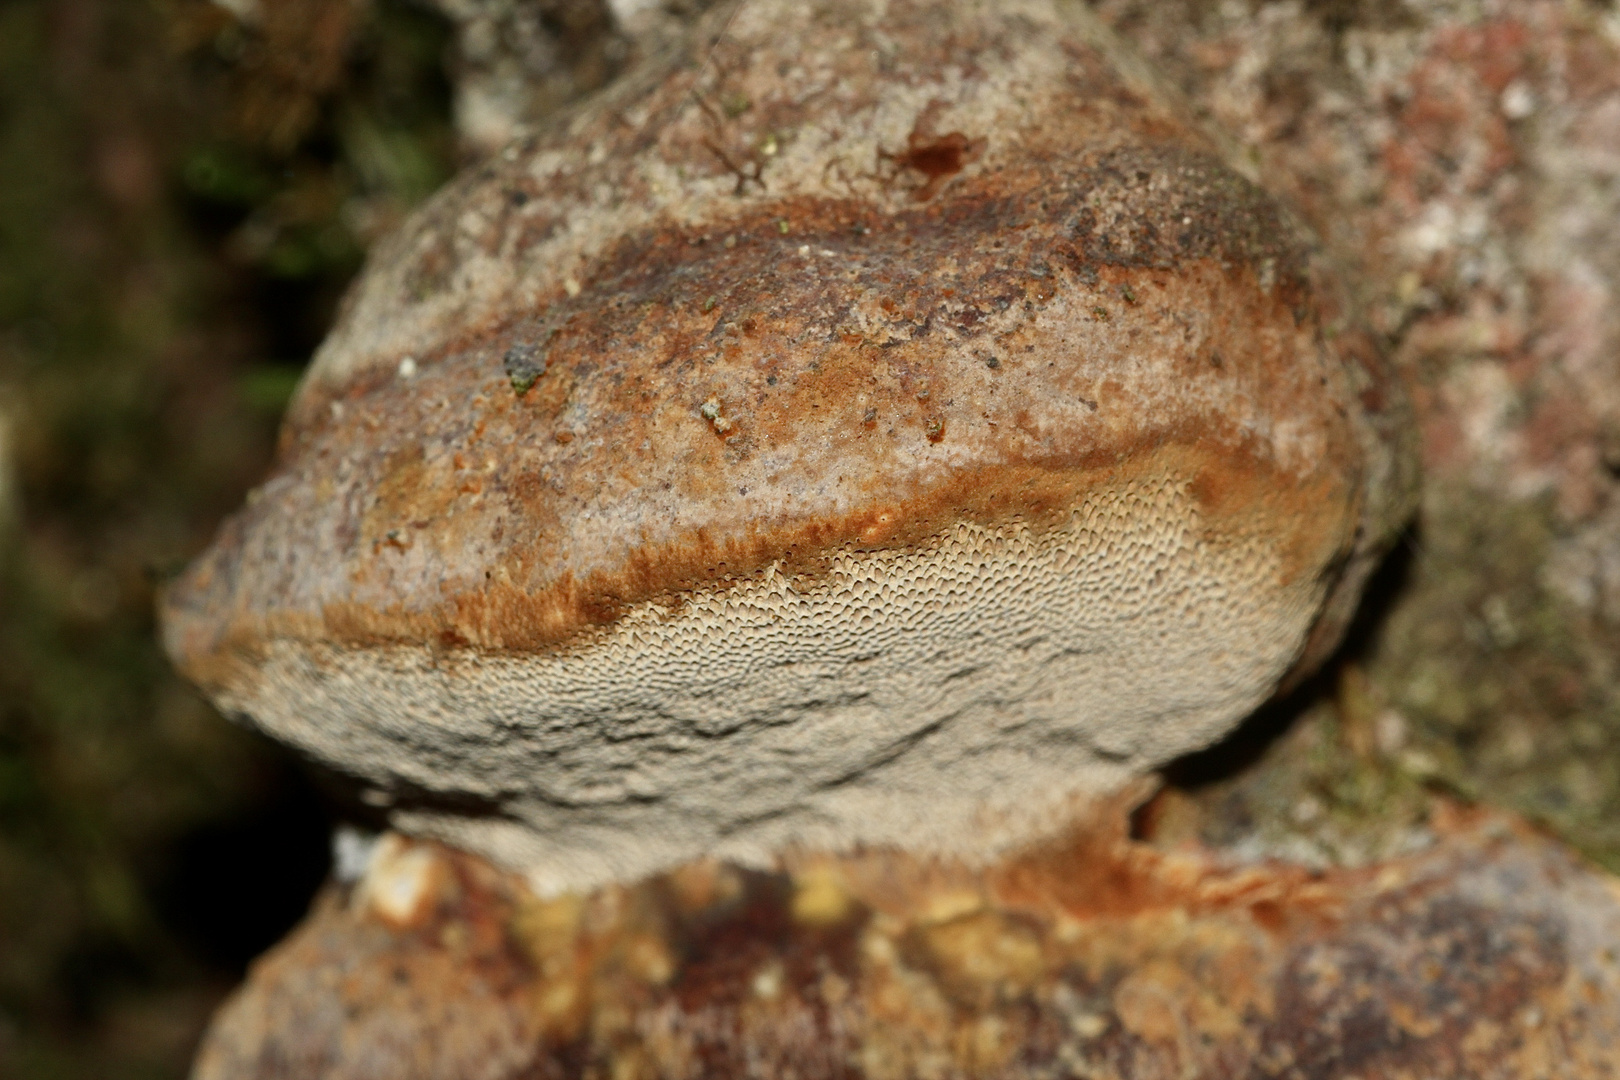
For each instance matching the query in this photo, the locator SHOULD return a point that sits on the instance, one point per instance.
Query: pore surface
(906, 697)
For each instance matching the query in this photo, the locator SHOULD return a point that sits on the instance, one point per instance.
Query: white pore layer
(953, 699)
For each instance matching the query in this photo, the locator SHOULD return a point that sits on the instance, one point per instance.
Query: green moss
(1322, 792)
(1506, 685)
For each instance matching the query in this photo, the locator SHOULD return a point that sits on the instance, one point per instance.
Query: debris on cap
(524, 362)
(703, 525)
(1491, 954)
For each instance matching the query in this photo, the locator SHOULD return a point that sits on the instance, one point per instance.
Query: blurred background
(184, 193)
(187, 186)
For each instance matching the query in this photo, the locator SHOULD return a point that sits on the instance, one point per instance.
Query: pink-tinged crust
(1489, 955)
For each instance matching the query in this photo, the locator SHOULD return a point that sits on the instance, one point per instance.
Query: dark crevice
(233, 886)
(1245, 746)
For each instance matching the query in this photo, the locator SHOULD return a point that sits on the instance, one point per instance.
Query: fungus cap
(884, 423)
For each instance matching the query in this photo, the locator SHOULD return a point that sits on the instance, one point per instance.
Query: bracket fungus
(875, 424)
